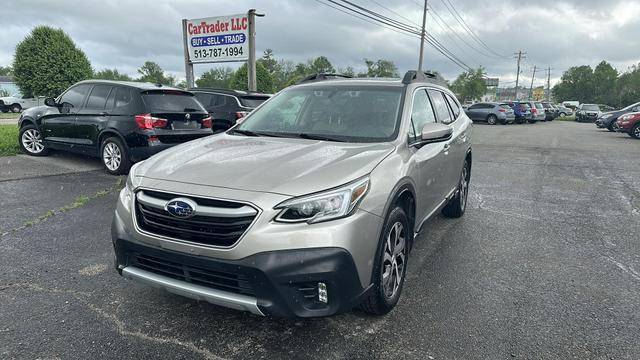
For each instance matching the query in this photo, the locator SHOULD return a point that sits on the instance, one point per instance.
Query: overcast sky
(558, 34)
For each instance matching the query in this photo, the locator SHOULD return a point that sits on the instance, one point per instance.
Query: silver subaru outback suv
(307, 208)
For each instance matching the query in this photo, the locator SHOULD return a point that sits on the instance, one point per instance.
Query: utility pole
(188, 66)
(252, 83)
(531, 88)
(519, 55)
(422, 35)
(549, 84)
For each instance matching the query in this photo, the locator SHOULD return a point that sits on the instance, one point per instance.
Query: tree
(111, 74)
(347, 71)
(320, 65)
(605, 77)
(216, 78)
(153, 73)
(380, 68)
(269, 62)
(470, 85)
(264, 79)
(576, 84)
(6, 71)
(47, 62)
(628, 87)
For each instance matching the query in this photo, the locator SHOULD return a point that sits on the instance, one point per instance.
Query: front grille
(221, 280)
(224, 230)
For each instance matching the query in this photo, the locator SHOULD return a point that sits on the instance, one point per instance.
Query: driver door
(58, 124)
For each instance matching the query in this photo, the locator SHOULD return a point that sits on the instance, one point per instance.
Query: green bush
(47, 62)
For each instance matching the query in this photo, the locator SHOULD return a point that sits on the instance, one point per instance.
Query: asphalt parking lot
(545, 264)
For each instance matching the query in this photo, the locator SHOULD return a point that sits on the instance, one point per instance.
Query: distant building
(7, 84)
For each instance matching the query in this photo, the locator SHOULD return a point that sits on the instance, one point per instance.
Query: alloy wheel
(394, 260)
(111, 156)
(464, 187)
(636, 132)
(32, 141)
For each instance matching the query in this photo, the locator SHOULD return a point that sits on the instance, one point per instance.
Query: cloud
(559, 34)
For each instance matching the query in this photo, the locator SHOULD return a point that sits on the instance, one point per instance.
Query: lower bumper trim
(193, 291)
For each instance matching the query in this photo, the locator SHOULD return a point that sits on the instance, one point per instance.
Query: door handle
(103, 114)
(446, 148)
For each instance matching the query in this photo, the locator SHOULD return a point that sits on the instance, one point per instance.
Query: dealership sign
(218, 39)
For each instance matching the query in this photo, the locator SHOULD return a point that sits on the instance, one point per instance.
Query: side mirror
(435, 132)
(50, 102)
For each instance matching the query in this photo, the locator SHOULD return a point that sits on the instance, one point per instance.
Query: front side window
(421, 112)
(75, 96)
(338, 113)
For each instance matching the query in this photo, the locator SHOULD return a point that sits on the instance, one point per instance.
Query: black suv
(120, 122)
(227, 106)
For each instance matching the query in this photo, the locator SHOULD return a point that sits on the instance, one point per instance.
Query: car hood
(288, 166)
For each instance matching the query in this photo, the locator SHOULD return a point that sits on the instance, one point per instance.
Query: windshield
(589, 107)
(253, 101)
(338, 113)
(539, 106)
(170, 101)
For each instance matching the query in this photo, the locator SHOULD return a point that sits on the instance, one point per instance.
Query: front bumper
(277, 262)
(278, 283)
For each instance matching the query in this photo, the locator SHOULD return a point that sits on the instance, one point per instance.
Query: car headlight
(327, 205)
(130, 185)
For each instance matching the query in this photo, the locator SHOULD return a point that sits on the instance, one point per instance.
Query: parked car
(491, 112)
(228, 106)
(630, 124)
(317, 212)
(550, 110)
(564, 111)
(16, 103)
(588, 113)
(571, 104)
(608, 120)
(120, 122)
(525, 110)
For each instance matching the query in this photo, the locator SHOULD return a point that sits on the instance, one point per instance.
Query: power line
(440, 20)
(395, 12)
(467, 28)
(395, 25)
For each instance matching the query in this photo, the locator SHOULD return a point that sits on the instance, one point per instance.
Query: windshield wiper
(245, 132)
(320, 137)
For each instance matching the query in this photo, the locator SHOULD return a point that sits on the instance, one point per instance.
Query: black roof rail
(415, 76)
(321, 77)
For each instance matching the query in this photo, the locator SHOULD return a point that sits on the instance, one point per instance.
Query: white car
(16, 103)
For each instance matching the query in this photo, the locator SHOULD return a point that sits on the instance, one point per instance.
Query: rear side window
(211, 100)
(440, 106)
(421, 112)
(98, 97)
(455, 107)
(170, 101)
(252, 101)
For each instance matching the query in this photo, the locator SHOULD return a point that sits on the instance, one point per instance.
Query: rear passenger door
(93, 117)
(472, 111)
(455, 148)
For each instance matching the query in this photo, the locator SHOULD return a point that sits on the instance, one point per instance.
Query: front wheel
(15, 108)
(31, 141)
(391, 264)
(458, 204)
(115, 157)
(635, 132)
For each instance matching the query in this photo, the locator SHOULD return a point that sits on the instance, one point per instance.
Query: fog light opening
(323, 296)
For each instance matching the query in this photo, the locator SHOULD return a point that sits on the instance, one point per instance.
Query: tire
(457, 205)
(563, 114)
(15, 108)
(384, 296)
(114, 155)
(492, 119)
(612, 126)
(635, 132)
(30, 140)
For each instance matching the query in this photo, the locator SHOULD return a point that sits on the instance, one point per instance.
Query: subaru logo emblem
(181, 208)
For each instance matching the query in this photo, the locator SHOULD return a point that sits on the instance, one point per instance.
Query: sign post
(220, 39)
